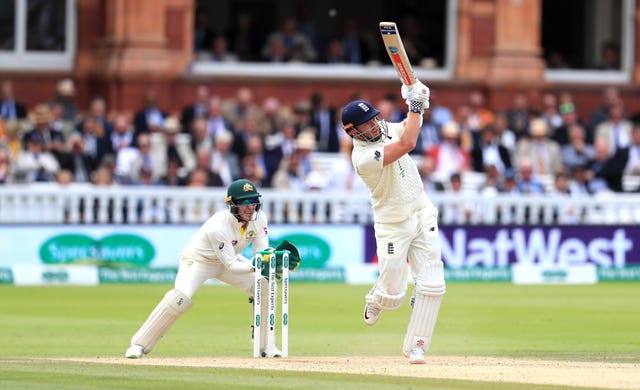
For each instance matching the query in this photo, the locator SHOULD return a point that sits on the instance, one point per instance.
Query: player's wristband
(416, 106)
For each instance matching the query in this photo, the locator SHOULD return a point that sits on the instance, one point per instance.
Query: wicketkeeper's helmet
(241, 192)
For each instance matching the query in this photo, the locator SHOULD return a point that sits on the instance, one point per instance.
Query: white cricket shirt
(396, 190)
(222, 239)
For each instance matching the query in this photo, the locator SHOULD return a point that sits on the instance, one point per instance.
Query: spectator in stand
(518, 115)
(616, 130)
(145, 162)
(166, 146)
(550, 113)
(479, 116)
(122, 135)
(66, 97)
(448, 156)
(148, 116)
(10, 109)
(504, 134)
(355, 46)
(604, 174)
(254, 163)
(274, 116)
(200, 135)
(203, 168)
(52, 141)
(35, 164)
(217, 122)
(459, 212)
(577, 153)
(610, 96)
(413, 39)
(569, 119)
(219, 51)
(224, 161)
(172, 177)
(429, 134)
(77, 161)
(98, 108)
(239, 108)
(566, 212)
(202, 34)
(97, 143)
(489, 152)
(441, 114)
(280, 146)
(245, 39)
(297, 46)
(633, 161)
(302, 116)
(579, 185)
(5, 166)
(323, 118)
(610, 56)
(463, 113)
(314, 176)
(334, 53)
(527, 183)
(543, 153)
(198, 109)
(429, 181)
(58, 123)
(289, 176)
(11, 141)
(247, 129)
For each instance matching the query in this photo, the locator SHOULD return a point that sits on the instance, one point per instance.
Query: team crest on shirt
(251, 234)
(377, 155)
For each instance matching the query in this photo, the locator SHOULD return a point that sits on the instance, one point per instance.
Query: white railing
(75, 204)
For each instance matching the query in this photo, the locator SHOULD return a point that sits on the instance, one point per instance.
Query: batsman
(215, 252)
(405, 220)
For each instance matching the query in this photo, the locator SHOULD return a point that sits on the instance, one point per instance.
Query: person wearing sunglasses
(215, 252)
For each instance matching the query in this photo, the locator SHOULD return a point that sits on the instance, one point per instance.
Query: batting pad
(171, 307)
(385, 301)
(429, 290)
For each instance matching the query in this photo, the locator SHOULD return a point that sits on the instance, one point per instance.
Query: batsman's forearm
(411, 131)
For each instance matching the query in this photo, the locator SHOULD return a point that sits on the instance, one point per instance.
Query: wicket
(257, 303)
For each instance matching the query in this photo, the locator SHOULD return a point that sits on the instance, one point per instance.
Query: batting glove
(416, 96)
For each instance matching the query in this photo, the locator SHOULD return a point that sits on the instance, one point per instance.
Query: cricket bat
(395, 49)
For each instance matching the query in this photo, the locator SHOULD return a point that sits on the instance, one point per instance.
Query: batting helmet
(357, 112)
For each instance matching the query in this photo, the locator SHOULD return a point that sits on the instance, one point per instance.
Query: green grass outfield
(597, 323)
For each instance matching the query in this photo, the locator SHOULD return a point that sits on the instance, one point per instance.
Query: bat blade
(395, 48)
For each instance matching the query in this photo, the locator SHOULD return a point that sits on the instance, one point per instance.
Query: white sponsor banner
(36, 275)
(159, 246)
(527, 273)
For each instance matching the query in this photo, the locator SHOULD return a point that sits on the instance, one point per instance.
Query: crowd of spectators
(213, 141)
(299, 39)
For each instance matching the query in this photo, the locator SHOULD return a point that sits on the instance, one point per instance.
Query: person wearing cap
(215, 252)
(65, 96)
(405, 220)
(543, 153)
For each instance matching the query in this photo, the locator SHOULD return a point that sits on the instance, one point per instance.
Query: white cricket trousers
(193, 274)
(416, 239)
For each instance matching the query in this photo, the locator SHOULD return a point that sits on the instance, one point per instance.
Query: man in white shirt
(215, 252)
(406, 221)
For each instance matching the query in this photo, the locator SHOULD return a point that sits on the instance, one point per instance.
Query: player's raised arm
(417, 98)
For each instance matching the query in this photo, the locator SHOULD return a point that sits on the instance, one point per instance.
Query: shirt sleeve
(223, 250)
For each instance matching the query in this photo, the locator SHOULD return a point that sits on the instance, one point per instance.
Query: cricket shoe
(271, 352)
(134, 352)
(417, 356)
(371, 314)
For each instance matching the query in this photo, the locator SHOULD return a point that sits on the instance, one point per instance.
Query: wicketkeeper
(405, 220)
(214, 252)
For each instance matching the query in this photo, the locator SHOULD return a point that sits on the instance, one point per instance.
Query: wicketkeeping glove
(294, 254)
(265, 264)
